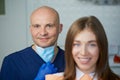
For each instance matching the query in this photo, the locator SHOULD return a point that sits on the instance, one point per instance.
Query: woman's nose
(83, 50)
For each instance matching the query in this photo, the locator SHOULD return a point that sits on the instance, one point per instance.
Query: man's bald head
(46, 10)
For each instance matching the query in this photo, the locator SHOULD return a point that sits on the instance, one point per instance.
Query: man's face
(45, 28)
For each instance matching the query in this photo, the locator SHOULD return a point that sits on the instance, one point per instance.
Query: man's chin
(44, 45)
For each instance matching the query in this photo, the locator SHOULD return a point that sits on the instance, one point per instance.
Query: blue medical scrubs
(25, 64)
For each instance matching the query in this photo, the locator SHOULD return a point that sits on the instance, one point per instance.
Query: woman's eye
(93, 45)
(77, 45)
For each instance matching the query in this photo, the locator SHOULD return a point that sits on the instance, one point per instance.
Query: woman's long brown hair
(103, 70)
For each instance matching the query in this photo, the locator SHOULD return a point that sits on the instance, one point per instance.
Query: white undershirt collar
(79, 74)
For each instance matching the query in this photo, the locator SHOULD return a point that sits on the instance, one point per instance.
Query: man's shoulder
(19, 53)
(60, 50)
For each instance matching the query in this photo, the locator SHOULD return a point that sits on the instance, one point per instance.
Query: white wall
(13, 27)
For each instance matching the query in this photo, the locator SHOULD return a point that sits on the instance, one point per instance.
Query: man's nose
(43, 31)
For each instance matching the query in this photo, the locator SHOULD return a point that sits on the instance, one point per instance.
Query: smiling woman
(85, 50)
(2, 7)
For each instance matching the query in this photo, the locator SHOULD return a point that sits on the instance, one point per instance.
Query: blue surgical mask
(45, 53)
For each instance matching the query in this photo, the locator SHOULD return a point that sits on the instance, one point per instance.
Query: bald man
(45, 28)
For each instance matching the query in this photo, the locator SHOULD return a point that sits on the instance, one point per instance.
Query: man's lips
(43, 39)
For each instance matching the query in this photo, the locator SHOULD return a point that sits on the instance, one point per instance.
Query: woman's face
(85, 51)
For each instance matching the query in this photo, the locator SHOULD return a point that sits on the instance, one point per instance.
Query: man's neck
(55, 50)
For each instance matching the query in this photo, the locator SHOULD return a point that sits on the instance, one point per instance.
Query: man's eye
(49, 25)
(36, 26)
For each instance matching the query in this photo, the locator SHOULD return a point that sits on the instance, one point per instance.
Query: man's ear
(60, 28)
